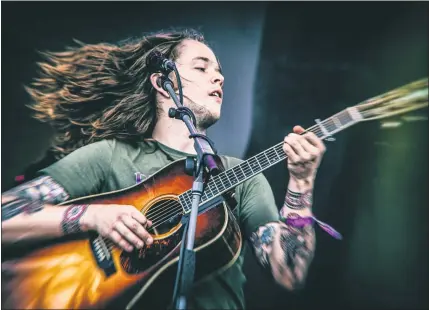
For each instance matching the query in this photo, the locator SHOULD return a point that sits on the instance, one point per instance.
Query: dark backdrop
(301, 61)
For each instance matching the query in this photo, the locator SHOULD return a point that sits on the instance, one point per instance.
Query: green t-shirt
(111, 165)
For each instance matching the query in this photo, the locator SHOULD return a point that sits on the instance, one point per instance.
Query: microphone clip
(180, 112)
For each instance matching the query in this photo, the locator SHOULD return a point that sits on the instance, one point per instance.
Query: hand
(123, 224)
(304, 153)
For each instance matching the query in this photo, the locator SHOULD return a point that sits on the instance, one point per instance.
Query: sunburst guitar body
(88, 271)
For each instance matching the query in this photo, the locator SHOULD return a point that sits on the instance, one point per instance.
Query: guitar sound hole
(165, 215)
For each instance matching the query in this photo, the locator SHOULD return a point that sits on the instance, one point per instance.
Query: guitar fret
(187, 202)
(274, 154)
(242, 169)
(209, 192)
(238, 172)
(330, 125)
(274, 148)
(336, 122)
(213, 181)
(232, 174)
(247, 170)
(182, 201)
(260, 160)
(253, 161)
(227, 180)
(267, 158)
(346, 118)
(221, 186)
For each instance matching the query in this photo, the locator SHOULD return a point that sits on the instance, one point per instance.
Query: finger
(117, 238)
(311, 150)
(298, 129)
(293, 157)
(137, 228)
(138, 216)
(294, 141)
(315, 141)
(128, 234)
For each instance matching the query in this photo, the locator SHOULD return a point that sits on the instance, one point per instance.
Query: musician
(111, 122)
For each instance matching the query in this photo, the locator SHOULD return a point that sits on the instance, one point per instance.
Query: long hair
(97, 91)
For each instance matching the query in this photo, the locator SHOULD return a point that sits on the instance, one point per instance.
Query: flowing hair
(98, 91)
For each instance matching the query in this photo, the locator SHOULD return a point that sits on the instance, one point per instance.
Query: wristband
(72, 215)
(300, 222)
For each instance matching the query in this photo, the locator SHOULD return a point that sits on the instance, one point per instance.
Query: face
(202, 82)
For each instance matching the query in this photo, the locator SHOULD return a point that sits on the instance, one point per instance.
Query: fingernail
(149, 240)
(130, 248)
(140, 245)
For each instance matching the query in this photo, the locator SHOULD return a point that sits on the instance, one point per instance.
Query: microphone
(157, 62)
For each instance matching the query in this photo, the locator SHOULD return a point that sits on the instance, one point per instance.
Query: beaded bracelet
(70, 223)
(300, 222)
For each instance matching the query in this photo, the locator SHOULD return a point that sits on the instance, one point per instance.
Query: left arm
(284, 250)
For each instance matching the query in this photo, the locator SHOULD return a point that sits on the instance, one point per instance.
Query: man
(111, 121)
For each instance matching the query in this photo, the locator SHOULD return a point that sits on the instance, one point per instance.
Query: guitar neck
(232, 177)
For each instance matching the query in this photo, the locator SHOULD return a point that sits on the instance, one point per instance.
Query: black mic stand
(205, 160)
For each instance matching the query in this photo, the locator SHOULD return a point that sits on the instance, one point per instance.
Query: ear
(154, 80)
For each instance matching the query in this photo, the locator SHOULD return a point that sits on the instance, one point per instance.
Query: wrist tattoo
(298, 201)
(70, 223)
(30, 197)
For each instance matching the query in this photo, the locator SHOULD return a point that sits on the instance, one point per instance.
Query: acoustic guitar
(87, 271)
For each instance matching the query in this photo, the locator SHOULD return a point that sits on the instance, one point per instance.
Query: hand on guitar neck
(29, 211)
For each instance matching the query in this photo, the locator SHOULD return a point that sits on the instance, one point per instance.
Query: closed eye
(201, 69)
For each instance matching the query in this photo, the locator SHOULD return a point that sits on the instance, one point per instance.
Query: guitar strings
(165, 211)
(171, 208)
(167, 206)
(167, 203)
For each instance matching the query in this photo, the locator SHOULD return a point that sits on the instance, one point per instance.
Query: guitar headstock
(401, 100)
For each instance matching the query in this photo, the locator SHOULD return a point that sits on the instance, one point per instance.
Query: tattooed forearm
(30, 197)
(285, 251)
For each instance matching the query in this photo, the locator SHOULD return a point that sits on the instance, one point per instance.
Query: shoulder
(229, 161)
(101, 146)
(131, 147)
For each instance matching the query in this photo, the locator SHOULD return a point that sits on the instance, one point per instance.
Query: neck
(174, 133)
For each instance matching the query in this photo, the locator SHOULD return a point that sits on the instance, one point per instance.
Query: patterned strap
(310, 220)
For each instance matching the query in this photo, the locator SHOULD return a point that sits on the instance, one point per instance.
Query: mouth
(217, 94)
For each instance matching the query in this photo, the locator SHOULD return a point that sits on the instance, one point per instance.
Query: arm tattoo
(285, 251)
(30, 197)
(261, 241)
(298, 201)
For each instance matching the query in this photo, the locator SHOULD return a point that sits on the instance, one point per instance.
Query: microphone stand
(205, 160)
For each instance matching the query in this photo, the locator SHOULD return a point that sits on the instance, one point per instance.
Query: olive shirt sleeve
(82, 172)
(255, 198)
(257, 204)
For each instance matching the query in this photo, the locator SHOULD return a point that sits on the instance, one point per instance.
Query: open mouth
(216, 93)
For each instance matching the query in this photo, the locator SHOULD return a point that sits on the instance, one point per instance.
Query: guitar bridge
(102, 255)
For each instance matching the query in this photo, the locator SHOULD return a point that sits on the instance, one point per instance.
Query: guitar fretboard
(232, 177)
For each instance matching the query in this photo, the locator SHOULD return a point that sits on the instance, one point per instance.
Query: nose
(218, 78)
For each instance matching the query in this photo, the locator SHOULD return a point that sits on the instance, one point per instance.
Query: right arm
(29, 211)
